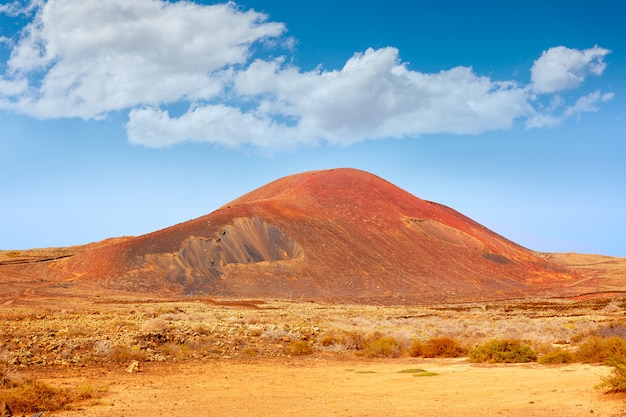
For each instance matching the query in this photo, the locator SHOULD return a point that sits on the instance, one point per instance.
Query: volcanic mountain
(339, 235)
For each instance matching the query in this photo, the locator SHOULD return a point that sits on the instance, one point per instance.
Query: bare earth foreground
(310, 387)
(232, 358)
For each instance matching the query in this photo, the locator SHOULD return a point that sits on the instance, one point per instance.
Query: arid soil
(237, 357)
(317, 387)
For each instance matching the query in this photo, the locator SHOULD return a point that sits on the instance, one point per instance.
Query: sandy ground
(317, 387)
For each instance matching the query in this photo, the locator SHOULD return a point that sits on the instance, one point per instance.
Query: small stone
(133, 367)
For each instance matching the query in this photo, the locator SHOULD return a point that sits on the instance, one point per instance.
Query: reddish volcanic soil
(341, 235)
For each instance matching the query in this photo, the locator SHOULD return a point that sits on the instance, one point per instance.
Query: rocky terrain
(245, 349)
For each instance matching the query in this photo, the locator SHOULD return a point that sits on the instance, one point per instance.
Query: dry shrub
(557, 356)
(31, 396)
(298, 348)
(124, 354)
(255, 331)
(616, 381)
(251, 351)
(382, 347)
(155, 325)
(347, 340)
(613, 329)
(174, 316)
(176, 350)
(8, 377)
(416, 349)
(502, 351)
(203, 345)
(608, 350)
(202, 329)
(437, 347)
(276, 332)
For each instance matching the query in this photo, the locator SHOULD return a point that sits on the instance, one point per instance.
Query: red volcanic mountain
(336, 235)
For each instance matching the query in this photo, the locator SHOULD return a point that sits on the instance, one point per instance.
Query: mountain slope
(338, 235)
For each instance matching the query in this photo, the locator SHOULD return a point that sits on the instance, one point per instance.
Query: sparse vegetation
(557, 356)
(299, 347)
(116, 335)
(427, 373)
(382, 347)
(616, 381)
(32, 396)
(437, 347)
(606, 350)
(503, 351)
(123, 354)
(28, 395)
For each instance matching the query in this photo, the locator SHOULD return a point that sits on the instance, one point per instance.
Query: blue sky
(121, 118)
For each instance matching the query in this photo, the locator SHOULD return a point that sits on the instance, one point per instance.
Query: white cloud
(561, 68)
(375, 95)
(103, 56)
(89, 58)
(219, 124)
(584, 104)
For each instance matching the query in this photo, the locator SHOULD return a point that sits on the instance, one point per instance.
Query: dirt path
(314, 387)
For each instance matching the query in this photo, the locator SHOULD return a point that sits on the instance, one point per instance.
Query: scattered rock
(133, 367)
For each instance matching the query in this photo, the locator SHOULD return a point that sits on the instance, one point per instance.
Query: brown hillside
(337, 235)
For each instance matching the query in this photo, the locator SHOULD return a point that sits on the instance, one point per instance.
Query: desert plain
(291, 357)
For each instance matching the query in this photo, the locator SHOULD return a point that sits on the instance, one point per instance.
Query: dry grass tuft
(26, 395)
(31, 396)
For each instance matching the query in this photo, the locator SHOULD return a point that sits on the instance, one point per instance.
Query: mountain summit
(336, 235)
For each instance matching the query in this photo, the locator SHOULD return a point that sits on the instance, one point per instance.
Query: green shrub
(609, 350)
(502, 351)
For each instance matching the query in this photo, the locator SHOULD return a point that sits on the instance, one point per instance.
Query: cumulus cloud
(98, 57)
(562, 68)
(89, 58)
